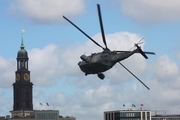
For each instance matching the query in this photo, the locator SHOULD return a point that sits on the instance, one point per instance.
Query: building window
(117, 116)
(143, 116)
(148, 115)
(112, 116)
(46, 115)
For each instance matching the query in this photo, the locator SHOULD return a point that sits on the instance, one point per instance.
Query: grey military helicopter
(97, 63)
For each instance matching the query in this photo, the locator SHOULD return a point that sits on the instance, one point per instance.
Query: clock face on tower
(17, 76)
(26, 76)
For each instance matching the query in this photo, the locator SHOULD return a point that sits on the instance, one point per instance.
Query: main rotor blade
(101, 25)
(135, 76)
(83, 32)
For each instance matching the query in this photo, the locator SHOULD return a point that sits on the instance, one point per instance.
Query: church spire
(22, 42)
(22, 53)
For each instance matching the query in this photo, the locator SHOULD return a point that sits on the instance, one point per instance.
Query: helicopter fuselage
(100, 62)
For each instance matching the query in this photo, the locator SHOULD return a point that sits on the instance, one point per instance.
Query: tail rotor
(143, 53)
(140, 42)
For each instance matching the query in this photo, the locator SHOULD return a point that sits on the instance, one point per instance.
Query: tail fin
(141, 52)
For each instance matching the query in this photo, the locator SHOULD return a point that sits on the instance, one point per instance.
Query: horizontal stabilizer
(149, 53)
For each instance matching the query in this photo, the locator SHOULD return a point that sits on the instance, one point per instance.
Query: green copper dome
(22, 53)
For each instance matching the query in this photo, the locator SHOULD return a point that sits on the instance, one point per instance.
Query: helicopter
(97, 63)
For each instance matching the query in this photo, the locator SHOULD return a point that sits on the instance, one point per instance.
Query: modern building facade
(128, 115)
(166, 117)
(40, 115)
(138, 115)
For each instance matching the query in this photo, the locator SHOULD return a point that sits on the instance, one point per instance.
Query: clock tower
(22, 87)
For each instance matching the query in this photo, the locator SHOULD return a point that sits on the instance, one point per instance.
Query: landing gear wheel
(101, 76)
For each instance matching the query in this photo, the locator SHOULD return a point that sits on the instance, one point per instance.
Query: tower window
(22, 66)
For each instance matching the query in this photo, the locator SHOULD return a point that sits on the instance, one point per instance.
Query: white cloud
(37, 93)
(45, 11)
(44, 65)
(165, 68)
(7, 75)
(152, 11)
